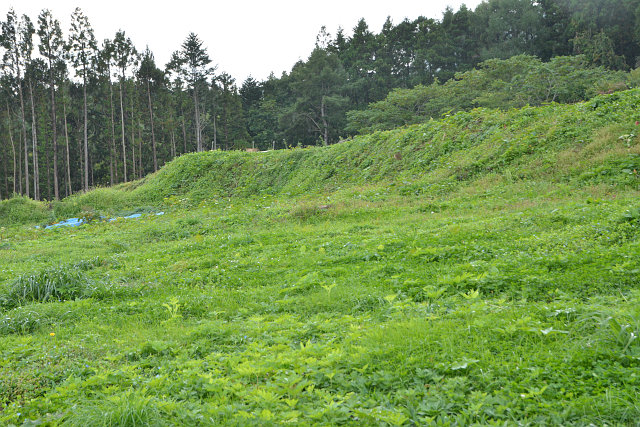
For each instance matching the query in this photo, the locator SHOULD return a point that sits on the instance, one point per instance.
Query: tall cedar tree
(14, 61)
(82, 49)
(190, 63)
(150, 75)
(125, 56)
(51, 47)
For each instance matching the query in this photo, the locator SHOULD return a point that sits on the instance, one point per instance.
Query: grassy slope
(476, 269)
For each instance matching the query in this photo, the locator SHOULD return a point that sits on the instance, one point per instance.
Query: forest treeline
(76, 112)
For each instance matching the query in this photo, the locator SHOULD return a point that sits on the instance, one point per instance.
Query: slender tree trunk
(140, 168)
(111, 171)
(124, 147)
(215, 133)
(6, 176)
(133, 139)
(197, 117)
(86, 132)
(20, 163)
(66, 138)
(325, 125)
(173, 143)
(153, 135)
(197, 113)
(34, 139)
(48, 162)
(114, 151)
(13, 147)
(184, 134)
(24, 138)
(13, 151)
(225, 128)
(56, 190)
(80, 161)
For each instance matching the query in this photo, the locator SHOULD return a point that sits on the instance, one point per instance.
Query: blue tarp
(74, 222)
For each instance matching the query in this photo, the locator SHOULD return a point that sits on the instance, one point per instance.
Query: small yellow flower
(53, 334)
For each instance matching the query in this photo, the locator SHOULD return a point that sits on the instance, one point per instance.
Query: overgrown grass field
(479, 269)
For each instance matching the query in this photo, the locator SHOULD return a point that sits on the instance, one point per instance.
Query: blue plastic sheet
(74, 222)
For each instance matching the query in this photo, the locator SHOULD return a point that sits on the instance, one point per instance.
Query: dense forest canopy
(79, 112)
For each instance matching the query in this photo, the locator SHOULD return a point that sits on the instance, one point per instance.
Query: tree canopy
(79, 115)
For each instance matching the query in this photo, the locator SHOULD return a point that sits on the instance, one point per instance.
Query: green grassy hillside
(582, 145)
(480, 269)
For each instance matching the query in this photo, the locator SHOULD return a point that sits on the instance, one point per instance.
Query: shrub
(22, 210)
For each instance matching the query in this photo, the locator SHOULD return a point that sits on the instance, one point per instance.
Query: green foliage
(437, 154)
(477, 269)
(22, 210)
(503, 84)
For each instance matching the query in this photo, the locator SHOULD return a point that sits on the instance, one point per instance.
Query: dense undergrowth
(481, 269)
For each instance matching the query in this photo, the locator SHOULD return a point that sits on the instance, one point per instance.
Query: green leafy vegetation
(511, 83)
(22, 210)
(134, 115)
(478, 269)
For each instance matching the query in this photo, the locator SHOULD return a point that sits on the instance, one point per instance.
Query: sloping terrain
(482, 268)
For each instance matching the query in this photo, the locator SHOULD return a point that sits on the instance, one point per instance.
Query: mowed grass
(491, 279)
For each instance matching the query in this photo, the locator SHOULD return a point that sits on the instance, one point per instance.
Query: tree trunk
(325, 125)
(215, 133)
(197, 117)
(173, 143)
(184, 134)
(153, 135)
(6, 176)
(140, 168)
(86, 133)
(66, 137)
(13, 151)
(80, 152)
(56, 191)
(124, 147)
(48, 163)
(24, 138)
(13, 147)
(225, 126)
(34, 140)
(114, 151)
(133, 141)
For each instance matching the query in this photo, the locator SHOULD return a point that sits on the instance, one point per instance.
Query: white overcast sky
(242, 37)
